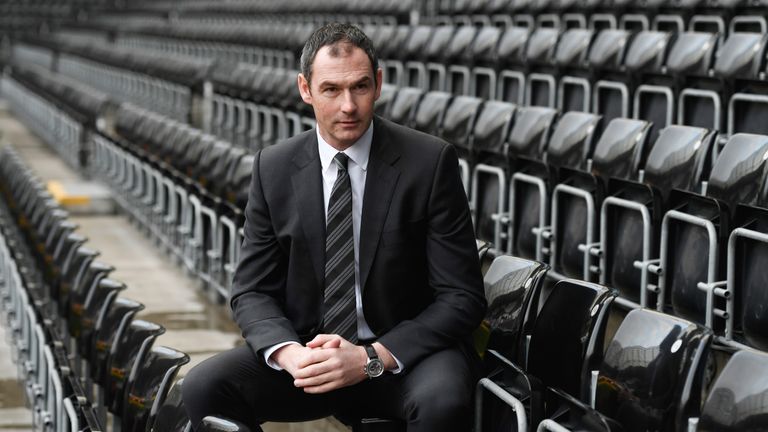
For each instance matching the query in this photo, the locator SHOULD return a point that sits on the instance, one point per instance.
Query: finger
(319, 340)
(318, 380)
(325, 388)
(314, 356)
(313, 370)
(333, 343)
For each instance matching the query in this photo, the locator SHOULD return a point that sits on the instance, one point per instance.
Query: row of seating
(696, 78)
(512, 163)
(80, 348)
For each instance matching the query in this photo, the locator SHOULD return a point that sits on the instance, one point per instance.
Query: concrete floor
(194, 324)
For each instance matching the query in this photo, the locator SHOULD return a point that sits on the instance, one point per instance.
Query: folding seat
(431, 111)
(699, 100)
(489, 174)
(382, 104)
(481, 55)
(742, 291)
(457, 126)
(694, 231)
(81, 291)
(574, 89)
(610, 92)
(739, 62)
(458, 72)
(403, 107)
(564, 347)
(79, 265)
(735, 399)
(510, 53)
(541, 84)
(133, 339)
(410, 55)
(653, 100)
(98, 302)
(529, 184)
(434, 54)
(106, 329)
(618, 154)
(170, 415)
(148, 385)
(391, 41)
(651, 376)
(630, 218)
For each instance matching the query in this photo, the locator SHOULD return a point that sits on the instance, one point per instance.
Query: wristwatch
(374, 367)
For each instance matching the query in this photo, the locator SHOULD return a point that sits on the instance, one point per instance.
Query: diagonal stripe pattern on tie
(339, 316)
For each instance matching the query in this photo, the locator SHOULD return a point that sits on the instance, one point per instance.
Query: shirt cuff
(271, 350)
(399, 367)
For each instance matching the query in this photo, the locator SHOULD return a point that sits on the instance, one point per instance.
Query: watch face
(375, 368)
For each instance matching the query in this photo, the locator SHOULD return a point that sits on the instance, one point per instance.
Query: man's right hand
(291, 357)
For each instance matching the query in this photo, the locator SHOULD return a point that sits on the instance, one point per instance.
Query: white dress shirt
(357, 168)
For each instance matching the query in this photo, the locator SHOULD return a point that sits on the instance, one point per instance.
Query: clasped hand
(327, 362)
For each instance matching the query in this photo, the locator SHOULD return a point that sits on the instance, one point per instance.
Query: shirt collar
(359, 152)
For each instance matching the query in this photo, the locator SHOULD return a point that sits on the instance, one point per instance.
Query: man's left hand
(337, 363)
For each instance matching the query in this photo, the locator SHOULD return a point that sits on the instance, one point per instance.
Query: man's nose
(348, 104)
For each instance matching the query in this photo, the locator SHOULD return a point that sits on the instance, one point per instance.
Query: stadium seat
(403, 107)
(610, 92)
(578, 195)
(170, 415)
(457, 126)
(541, 88)
(512, 289)
(696, 228)
(734, 402)
(564, 347)
(148, 384)
(654, 102)
(489, 176)
(132, 338)
(510, 53)
(528, 188)
(631, 216)
(574, 89)
(654, 362)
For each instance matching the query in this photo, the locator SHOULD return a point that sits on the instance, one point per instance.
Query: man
(359, 283)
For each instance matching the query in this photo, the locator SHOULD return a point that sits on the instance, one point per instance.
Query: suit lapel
(308, 188)
(379, 186)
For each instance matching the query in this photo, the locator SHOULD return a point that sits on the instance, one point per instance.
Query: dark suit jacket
(419, 273)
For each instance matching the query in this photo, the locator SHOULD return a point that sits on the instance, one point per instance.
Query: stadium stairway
(194, 325)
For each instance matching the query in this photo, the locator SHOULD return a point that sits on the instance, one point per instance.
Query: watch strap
(371, 351)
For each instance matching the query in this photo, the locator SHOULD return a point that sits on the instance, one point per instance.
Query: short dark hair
(332, 34)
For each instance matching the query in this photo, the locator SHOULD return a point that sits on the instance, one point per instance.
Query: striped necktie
(340, 316)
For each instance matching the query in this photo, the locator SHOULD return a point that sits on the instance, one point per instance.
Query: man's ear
(306, 94)
(379, 75)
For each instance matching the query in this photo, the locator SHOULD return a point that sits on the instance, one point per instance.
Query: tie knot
(341, 160)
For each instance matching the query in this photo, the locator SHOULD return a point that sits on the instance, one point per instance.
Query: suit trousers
(435, 395)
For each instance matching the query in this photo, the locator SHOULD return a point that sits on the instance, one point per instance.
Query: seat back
(106, 331)
(573, 140)
(567, 338)
(431, 110)
(651, 375)
(622, 149)
(170, 414)
(512, 288)
(747, 321)
(131, 338)
(735, 401)
(384, 102)
(403, 107)
(679, 159)
(530, 132)
(459, 122)
(148, 385)
(489, 181)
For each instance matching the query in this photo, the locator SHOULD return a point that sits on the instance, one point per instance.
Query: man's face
(342, 93)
